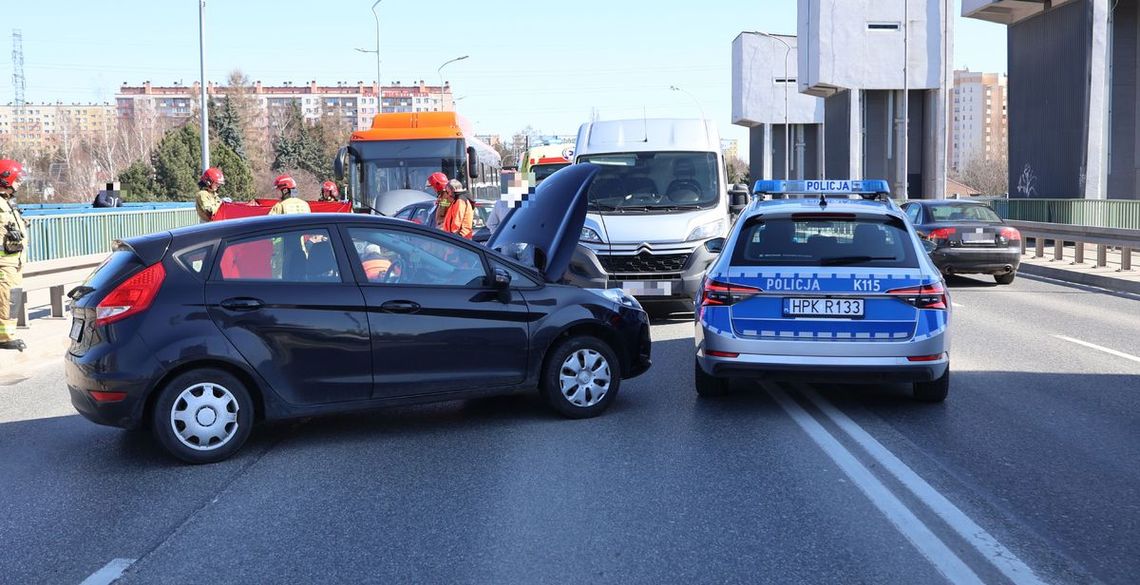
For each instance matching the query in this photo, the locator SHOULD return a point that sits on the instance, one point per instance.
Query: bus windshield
(654, 182)
(405, 164)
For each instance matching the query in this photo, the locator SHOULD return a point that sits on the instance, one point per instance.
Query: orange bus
(402, 150)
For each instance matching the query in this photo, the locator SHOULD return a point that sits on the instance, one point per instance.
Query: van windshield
(654, 182)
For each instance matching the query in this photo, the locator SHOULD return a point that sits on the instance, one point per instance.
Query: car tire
(202, 416)
(1005, 278)
(934, 390)
(708, 385)
(581, 378)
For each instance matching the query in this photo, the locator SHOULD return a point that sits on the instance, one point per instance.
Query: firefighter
(289, 203)
(460, 212)
(329, 192)
(439, 184)
(13, 232)
(208, 201)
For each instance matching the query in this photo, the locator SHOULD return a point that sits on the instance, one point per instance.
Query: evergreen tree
(137, 182)
(226, 126)
(177, 162)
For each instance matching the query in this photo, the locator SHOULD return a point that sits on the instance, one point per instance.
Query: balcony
(1005, 11)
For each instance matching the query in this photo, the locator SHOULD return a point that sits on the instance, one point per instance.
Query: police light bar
(823, 187)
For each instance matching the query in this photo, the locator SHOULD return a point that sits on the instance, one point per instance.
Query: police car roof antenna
(822, 200)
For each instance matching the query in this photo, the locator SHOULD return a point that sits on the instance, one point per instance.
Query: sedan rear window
(825, 241)
(941, 213)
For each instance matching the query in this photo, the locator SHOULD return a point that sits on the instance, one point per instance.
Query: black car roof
(230, 227)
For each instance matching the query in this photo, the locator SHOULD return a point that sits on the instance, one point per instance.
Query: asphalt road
(1030, 472)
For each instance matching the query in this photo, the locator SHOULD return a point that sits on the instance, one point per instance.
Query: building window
(884, 26)
(780, 80)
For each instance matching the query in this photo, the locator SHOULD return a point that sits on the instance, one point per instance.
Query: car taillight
(719, 293)
(927, 296)
(132, 297)
(1010, 234)
(941, 233)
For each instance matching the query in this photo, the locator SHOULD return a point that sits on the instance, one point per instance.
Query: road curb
(1097, 280)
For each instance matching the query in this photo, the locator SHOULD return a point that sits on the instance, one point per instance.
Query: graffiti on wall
(1027, 182)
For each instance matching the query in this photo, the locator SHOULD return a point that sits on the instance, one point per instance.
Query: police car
(827, 281)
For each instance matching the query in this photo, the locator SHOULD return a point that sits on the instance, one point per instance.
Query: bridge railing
(1103, 213)
(79, 234)
(1079, 235)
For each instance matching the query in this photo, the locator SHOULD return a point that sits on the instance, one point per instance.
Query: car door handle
(400, 307)
(242, 304)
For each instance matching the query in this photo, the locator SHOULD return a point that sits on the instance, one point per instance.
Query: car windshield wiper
(679, 207)
(603, 207)
(838, 260)
(79, 292)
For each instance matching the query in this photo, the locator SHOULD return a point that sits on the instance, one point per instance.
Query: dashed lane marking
(989, 547)
(109, 573)
(904, 520)
(1119, 354)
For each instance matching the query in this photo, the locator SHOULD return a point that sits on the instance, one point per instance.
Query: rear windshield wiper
(838, 260)
(79, 292)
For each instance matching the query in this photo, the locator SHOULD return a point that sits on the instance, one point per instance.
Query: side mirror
(472, 163)
(481, 235)
(715, 245)
(501, 279)
(338, 163)
(929, 245)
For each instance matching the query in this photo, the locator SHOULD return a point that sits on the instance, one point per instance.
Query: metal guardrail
(1126, 239)
(38, 209)
(61, 236)
(1103, 213)
(52, 275)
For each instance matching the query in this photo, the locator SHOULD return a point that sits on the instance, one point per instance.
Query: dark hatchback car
(422, 213)
(967, 237)
(199, 332)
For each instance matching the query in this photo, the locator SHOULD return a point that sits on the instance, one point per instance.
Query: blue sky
(542, 64)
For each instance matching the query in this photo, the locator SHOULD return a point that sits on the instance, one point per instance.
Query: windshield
(543, 171)
(963, 213)
(825, 242)
(405, 164)
(654, 182)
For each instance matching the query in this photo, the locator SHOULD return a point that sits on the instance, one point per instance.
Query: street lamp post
(787, 130)
(379, 84)
(695, 100)
(205, 105)
(439, 71)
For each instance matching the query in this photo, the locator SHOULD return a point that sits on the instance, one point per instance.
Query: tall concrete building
(763, 74)
(979, 124)
(873, 61)
(35, 129)
(1074, 96)
(355, 103)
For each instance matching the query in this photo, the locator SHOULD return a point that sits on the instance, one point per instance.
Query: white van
(659, 209)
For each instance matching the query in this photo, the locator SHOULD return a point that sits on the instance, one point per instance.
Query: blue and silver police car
(827, 281)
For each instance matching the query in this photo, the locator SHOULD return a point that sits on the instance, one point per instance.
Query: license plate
(648, 288)
(76, 329)
(823, 307)
(976, 237)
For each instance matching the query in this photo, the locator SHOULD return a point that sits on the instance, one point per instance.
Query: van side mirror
(715, 245)
(338, 163)
(472, 163)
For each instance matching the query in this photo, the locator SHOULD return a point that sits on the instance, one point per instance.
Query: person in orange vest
(289, 203)
(329, 192)
(460, 212)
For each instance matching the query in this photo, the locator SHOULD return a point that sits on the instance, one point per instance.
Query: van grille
(644, 263)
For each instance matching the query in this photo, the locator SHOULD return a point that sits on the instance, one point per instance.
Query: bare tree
(988, 174)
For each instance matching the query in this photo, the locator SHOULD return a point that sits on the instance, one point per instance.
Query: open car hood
(543, 230)
(389, 202)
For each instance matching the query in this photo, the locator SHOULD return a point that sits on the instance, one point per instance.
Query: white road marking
(956, 304)
(1119, 354)
(109, 573)
(1001, 557)
(928, 544)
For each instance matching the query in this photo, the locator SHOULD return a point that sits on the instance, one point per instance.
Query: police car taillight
(132, 297)
(720, 293)
(927, 296)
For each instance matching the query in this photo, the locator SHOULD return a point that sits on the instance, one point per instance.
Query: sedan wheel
(203, 416)
(581, 377)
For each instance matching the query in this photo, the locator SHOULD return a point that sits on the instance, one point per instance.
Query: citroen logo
(644, 248)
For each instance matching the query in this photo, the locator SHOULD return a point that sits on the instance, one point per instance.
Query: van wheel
(1005, 278)
(581, 378)
(935, 390)
(202, 416)
(708, 385)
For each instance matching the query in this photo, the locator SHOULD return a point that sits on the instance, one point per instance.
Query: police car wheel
(708, 385)
(581, 377)
(933, 391)
(1005, 278)
(202, 416)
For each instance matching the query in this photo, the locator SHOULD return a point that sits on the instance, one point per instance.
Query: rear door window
(293, 256)
(825, 241)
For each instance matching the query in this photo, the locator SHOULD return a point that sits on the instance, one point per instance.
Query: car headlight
(618, 296)
(589, 235)
(707, 230)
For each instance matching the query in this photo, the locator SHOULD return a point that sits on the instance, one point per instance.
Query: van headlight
(707, 230)
(589, 235)
(618, 296)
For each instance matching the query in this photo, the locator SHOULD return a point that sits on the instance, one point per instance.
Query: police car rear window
(825, 241)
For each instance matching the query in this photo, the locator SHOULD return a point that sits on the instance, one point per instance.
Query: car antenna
(822, 200)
